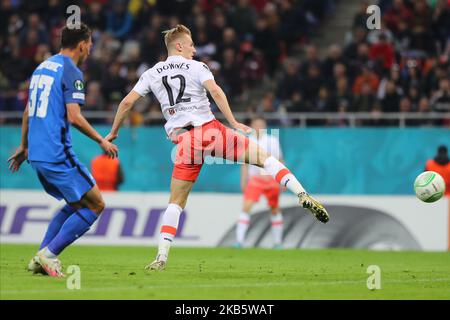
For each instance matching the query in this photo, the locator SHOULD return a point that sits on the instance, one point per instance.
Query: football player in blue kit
(56, 93)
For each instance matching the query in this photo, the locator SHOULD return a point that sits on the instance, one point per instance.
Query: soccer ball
(429, 186)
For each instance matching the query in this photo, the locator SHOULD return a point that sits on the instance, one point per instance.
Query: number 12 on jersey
(180, 92)
(39, 82)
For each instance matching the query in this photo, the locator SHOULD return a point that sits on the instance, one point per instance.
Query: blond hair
(174, 33)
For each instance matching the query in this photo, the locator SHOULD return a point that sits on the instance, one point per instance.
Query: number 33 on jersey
(55, 83)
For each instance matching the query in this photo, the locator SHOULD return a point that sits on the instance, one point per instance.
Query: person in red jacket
(107, 172)
(441, 165)
(383, 52)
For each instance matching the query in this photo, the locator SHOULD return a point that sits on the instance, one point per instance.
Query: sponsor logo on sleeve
(78, 95)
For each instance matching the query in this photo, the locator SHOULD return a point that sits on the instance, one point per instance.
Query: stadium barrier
(382, 161)
(131, 218)
(352, 119)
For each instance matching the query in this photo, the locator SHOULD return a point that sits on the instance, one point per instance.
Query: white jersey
(272, 146)
(177, 83)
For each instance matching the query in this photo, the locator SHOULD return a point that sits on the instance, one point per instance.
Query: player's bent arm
(122, 111)
(221, 100)
(222, 103)
(79, 121)
(24, 140)
(21, 154)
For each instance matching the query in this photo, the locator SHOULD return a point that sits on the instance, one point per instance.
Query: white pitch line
(194, 286)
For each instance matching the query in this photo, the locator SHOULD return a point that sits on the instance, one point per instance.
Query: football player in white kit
(256, 181)
(180, 83)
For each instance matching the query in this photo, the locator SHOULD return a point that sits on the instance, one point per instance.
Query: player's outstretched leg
(179, 191)
(52, 230)
(257, 156)
(87, 211)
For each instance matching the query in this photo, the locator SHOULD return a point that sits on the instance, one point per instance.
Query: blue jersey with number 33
(55, 82)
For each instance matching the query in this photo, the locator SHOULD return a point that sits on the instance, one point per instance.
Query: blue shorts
(68, 180)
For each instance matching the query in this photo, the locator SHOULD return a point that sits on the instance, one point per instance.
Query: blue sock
(56, 224)
(74, 227)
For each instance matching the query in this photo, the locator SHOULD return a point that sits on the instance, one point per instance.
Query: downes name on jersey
(177, 83)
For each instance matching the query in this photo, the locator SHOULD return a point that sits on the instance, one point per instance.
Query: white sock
(283, 175)
(242, 226)
(168, 230)
(277, 227)
(49, 254)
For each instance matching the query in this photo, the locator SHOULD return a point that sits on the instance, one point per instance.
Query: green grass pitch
(220, 273)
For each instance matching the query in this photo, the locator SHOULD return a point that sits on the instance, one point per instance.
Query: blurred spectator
(311, 59)
(362, 59)
(34, 31)
(266, 39)
(323, 103)
(229, 40)
(358, 37)
(391, 100)
(334, 57)
(383, 53)
(252, 64)
(414, 96)
(406, 107)
(231, 73)
(243, 18)
(441, 164)
(364, 99)
(441, 23)
(394, 76)
(440, 100)
(119, 20)
(396, 13)
(361, 16)
(95, 17)
(376, 120)
(268, 105)
(289, 83)
(342, 96)
(311, 84)
(94, 97)
(421, 37)
(424, 109)
(107, 172)
(367, 77)
(113, 84)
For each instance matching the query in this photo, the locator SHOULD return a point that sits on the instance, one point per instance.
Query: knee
(98, 206)
(179, 201)
(261, 159)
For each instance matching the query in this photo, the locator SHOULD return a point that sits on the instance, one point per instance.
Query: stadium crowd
(403, 67)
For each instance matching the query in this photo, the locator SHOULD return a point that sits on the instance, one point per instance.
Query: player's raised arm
(79, 121)
(222, 103)
(21, 154)
(122, 112)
